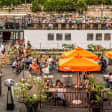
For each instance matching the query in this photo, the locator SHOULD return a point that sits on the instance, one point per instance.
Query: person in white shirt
(2, 48)
(60, 94)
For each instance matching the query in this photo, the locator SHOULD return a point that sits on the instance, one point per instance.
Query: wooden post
(77, 83)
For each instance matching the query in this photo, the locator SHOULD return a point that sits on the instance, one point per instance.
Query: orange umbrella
(78, 64)
(79, 52)
(108, 54)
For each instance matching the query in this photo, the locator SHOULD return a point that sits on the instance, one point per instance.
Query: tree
(59, 5)
(81, 6)
(50, 5)
(10, 2)
(35, 6)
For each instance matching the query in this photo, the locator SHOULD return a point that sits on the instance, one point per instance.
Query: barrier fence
(77, 100)
(58, 26)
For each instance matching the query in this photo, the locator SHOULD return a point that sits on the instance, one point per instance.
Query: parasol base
(77, 102)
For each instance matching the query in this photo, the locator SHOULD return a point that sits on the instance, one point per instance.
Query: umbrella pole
(77, 83)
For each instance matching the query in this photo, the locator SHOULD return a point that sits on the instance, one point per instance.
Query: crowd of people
(55, 19)
(24, 60)
(71, 19)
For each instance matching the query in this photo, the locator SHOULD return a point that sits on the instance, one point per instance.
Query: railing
(69, 26)
(79, 100)
(70, 99)
(58, 26)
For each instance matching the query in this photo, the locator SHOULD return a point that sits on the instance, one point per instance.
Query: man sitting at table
(60, 94)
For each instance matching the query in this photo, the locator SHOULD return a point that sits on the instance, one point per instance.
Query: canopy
(108, 54)
(79, 52)
(78, 64)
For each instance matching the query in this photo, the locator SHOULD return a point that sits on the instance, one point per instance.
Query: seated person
(90, 75)
(19, 65)
(86, 84)
(45, 69)
(46, 84)
(34, 66)
(57, 83)
(60, 94)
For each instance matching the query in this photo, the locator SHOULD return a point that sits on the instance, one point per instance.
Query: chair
(83, 26)
(52, 27)
(35, 26)
(67, 26)
(99, 25)
(59, 26)
(75, 26)
(43, 26)
(91, 25)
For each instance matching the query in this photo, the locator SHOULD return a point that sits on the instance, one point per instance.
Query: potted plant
(109, 97)
(95, 96)
(30, 92)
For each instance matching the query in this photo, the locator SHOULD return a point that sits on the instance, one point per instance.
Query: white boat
(54, 39)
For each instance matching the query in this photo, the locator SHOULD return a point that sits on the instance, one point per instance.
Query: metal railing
(57, 26)
(69, 26)
(79, 100)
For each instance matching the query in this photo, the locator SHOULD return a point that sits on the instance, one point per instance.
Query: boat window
(67, 36)
(50, 36)
(90, 36)
(99, 36)
(107, 36)
(59, 36)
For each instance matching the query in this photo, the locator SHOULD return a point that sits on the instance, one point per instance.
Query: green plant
(97, 49)
(30, 90)
(68, 46)
(96, 89)
(109, 95)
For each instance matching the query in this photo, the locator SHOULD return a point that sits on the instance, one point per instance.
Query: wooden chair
(67, 26)
(99, 25)
(59, 26)
(35, 26)
(43, 26)
(51, 26)
(75, 26)
(91, 25)
(83, 26)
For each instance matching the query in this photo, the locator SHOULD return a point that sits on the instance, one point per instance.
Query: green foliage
(35, 6)
(59, 5)
(109, 95)
(56, 5)
(97, 49)
(68, 46)
(10, 2)
(96, 88)
(30, 90)
(81, 5)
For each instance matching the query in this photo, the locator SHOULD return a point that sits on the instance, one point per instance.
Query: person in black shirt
(103, 64)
